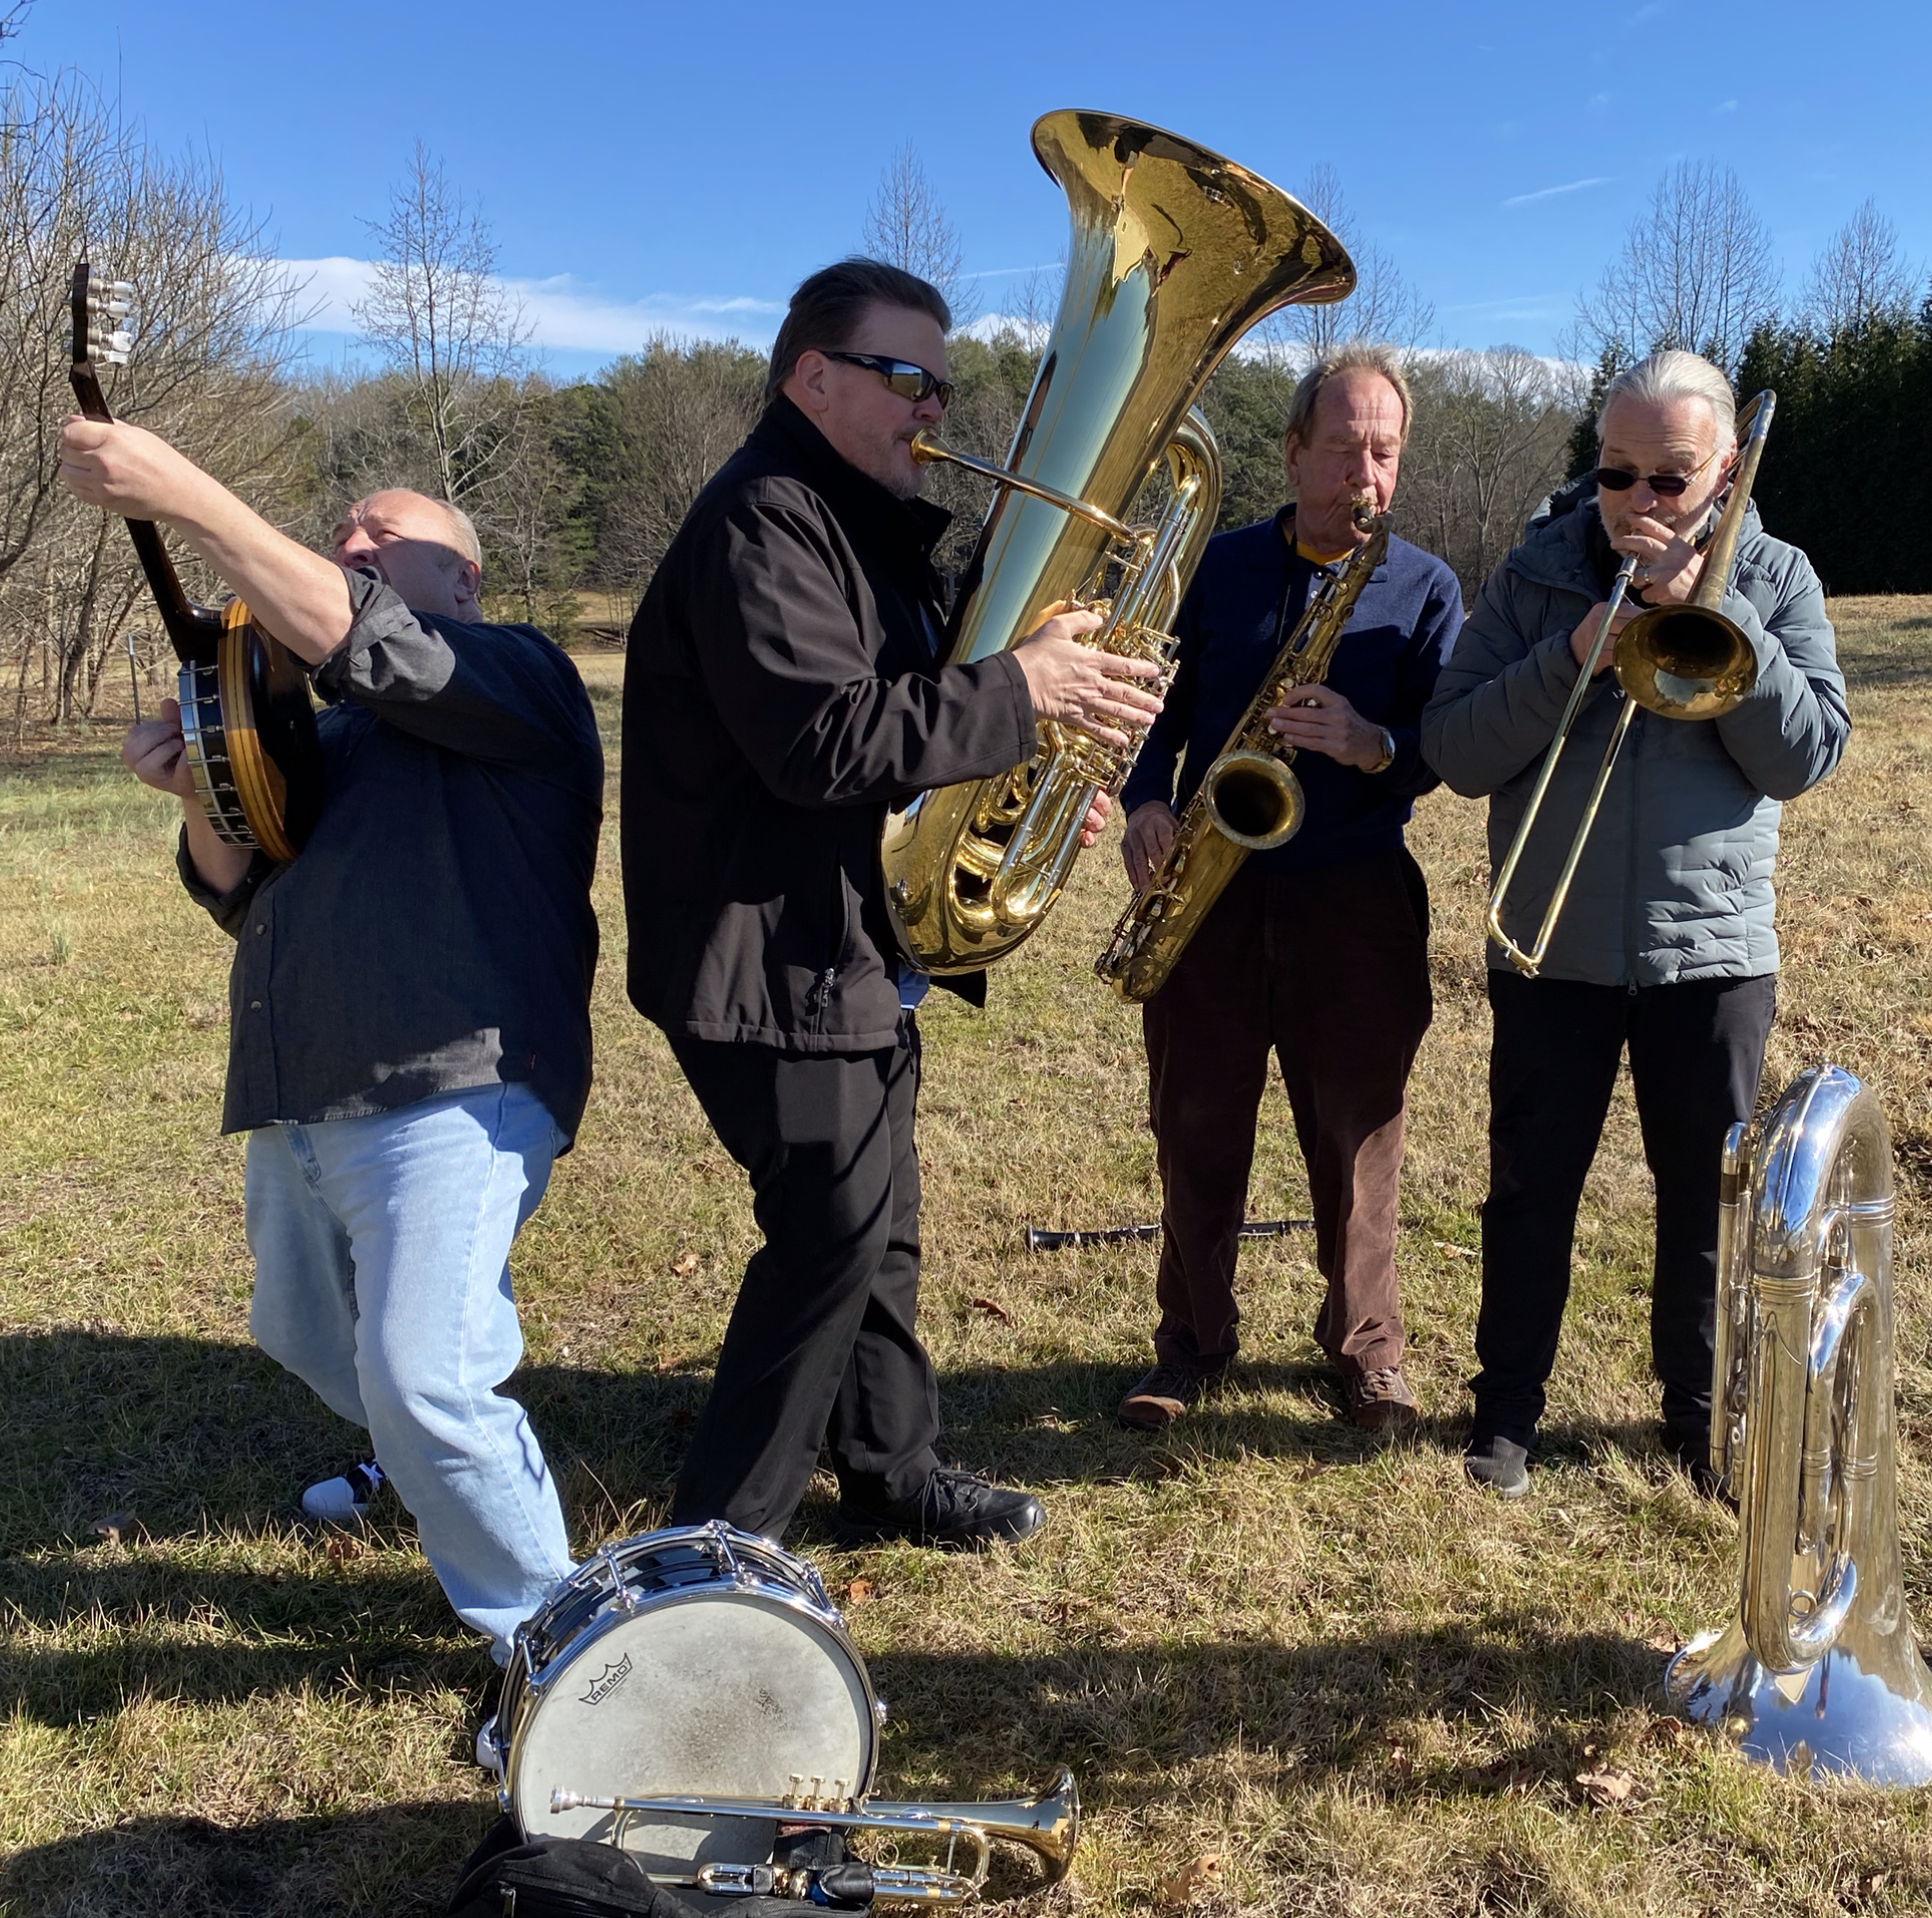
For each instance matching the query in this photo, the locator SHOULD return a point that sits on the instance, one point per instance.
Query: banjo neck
(194, 631)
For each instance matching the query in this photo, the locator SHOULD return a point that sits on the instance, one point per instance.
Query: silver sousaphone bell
(1819, 1672)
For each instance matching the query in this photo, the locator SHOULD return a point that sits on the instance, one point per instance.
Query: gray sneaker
(1163, 1396)
(1499, 1466)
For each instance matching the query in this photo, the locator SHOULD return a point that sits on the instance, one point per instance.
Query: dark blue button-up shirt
(1251, 589)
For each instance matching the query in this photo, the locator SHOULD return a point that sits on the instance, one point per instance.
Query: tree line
(577, 487)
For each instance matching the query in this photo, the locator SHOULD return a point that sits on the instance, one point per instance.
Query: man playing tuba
(783, 687)
(1320, 948)
(1667, 943)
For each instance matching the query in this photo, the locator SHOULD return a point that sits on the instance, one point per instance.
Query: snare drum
(699, 1661)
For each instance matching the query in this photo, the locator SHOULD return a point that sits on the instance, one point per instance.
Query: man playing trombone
(1666, 943)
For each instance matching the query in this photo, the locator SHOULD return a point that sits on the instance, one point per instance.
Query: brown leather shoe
(1381, 1400)
(1162, 1396)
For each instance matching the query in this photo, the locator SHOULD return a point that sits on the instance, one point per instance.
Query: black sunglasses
(1666, 485)
(907, 381)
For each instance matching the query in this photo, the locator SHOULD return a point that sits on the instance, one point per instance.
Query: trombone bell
(1685, 662)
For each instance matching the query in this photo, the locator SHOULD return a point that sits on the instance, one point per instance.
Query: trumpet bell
(1256, 801)
(1685, 662)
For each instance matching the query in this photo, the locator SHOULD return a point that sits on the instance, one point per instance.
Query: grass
(1266, 1637)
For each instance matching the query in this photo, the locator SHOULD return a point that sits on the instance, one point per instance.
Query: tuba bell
(1819, 1672)
(1175, 253)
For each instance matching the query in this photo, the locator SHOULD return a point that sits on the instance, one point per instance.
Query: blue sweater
(1251, 589)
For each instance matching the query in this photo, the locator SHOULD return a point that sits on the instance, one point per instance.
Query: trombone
(1680, 662)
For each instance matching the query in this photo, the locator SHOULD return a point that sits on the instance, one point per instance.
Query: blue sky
(651, 166)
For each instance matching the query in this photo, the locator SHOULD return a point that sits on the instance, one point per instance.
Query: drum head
(713, 1692)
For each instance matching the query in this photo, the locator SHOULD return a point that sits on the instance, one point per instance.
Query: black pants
(1696, 1054)
(820, 1350)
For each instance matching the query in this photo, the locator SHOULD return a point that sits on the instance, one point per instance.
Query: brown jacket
(781, 692)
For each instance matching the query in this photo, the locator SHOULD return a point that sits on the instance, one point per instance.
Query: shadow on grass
(180, 1435)
(966, 1726)
(403, 1859)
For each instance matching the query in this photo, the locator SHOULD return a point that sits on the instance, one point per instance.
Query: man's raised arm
(297, 596)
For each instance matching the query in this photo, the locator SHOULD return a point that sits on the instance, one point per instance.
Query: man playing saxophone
(1667, 943)
(1317, 950)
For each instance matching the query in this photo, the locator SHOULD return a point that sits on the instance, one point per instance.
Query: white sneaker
(343, 1500)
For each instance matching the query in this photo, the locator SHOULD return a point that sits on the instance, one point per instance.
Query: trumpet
(1047, 1824)
(1680, 662)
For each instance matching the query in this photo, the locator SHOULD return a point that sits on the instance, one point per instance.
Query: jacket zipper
(818, 995)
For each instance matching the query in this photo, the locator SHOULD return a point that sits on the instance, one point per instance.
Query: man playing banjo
(409, 1037)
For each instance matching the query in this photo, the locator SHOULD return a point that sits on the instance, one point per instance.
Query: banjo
(246, 715)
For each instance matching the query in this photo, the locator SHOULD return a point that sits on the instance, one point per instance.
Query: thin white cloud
(561, 311)
(1551, 193)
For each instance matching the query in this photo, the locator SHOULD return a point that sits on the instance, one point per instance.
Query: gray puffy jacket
(1675, 881)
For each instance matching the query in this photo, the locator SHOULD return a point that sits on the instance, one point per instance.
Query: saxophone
(1247, 801)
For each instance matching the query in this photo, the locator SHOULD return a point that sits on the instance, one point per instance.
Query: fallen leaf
(993, 1306)
(342, 1547)
(1186, 1885)
(860, 1590)
(1607, 1787)
(1456, 1252)
(1669, 1731)
(113, 1526)
(684, 1265)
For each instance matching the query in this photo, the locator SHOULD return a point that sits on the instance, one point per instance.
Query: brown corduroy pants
(1329, 969)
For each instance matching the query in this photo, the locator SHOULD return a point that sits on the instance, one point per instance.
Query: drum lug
(621, 1590)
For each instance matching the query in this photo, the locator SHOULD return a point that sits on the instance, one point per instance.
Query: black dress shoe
(953, 1509)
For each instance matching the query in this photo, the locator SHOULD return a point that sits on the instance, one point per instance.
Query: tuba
(1248, 799)
(1175, 253)
(1819, 1672)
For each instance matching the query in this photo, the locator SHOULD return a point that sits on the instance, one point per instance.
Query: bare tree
(666, 420)
(1487, 443)
(905, 226)
(1696, 272)
(1384, 304)
(1859, 275)
(210, 342)
(444, 324)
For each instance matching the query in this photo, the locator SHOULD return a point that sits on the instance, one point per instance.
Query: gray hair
(1673, 373)
(1357, 355)
(464, 527)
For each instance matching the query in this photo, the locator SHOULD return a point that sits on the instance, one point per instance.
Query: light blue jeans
(382, 1280)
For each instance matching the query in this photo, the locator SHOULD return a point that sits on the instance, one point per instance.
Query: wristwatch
(1387, 759)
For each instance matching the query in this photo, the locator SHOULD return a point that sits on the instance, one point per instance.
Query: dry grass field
(1319, 1658)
